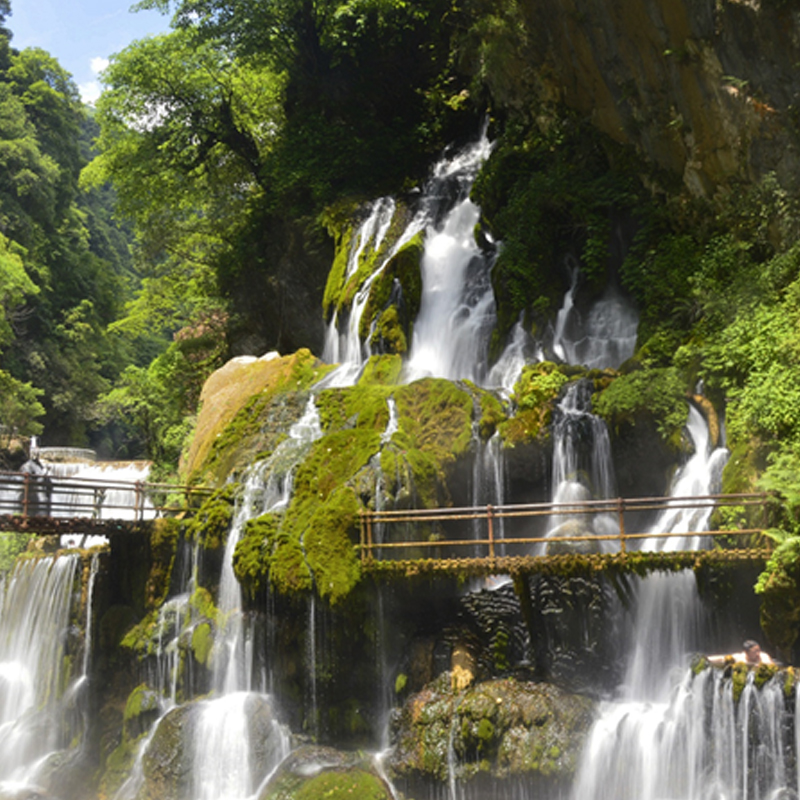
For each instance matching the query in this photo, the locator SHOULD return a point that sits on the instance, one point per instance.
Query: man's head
(752, 651)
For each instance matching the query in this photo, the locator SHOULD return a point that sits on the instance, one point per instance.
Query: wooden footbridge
(50, 505)
(598, 536)
(609, 536)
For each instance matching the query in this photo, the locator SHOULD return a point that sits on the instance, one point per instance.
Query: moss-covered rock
(168, 764)
(394, 299)
(312, 543)
(504, 728)
(246, 407)
(210, 524)
(322, 773)
(657, 396)
(535, 394)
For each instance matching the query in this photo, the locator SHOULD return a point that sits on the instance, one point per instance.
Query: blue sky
(81, 34)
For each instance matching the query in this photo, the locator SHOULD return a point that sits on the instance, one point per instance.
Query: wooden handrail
(30, 495)
(618, 506)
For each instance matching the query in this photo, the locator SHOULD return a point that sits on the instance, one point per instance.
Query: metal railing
(487, 546)
(30, 495)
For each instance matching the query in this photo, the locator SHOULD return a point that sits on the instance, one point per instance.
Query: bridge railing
(378, 543)
(31, 495)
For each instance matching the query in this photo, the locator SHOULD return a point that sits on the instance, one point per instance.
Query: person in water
(751, 654)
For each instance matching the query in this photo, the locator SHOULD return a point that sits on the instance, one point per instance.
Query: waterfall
(602, 338)
(345, 347)
(668, 624)
(701, 744)
(457, 308)
(224, 719)
(519, 351)
(488, 484)
(226, 732)
(582, 465)
(87, 638)
(660, 740)
(34, 621)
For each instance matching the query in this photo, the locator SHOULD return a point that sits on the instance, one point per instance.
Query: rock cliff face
(703, 88)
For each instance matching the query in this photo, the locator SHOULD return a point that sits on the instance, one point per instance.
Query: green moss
(202, 642)
(139, 638)
(403, 267)
(329, 542)
(343, 238)
(389, 335)
(11, 545)
(212, 521)
(384, 370)
(202, 602)
(142, 699)
(739, 673)
(334, 785)
(259, 425)
(118, 766)
(485, 730)
(163, 546)
(539, 385)
(363, 406)
(535, 394)
(400, 682)
(492, 414)
(250, 558)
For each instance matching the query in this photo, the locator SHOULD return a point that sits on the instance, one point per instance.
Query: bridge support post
(26, 494)
(490, 521)
(621, 515)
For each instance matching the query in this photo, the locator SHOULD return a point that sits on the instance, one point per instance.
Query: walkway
(562, 539)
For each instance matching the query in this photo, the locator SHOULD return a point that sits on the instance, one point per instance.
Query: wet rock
(577, 528)
(169, 763)
(323, 772)
(505, 729)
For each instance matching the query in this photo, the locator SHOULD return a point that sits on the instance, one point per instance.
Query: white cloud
(99, 64)
(90, 90)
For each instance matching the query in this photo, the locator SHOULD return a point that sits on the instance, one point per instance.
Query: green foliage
(779, 586)
(19, 409)
(156, 405)
(656, 394)
(550, 197)
(11, 545)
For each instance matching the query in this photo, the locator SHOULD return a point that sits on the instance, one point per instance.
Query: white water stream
(35, 685)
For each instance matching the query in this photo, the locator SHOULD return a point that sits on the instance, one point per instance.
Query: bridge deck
(566, 564)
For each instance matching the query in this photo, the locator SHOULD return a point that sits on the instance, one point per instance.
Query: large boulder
(315, 772)
(505, 730)
(170, 766)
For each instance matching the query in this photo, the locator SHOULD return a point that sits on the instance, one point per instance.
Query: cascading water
(519, 351)
(603, 337)
(582, 465)
(457, 308)
(224, 739)
(637, 743)
(34, 621)
(223, 771)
